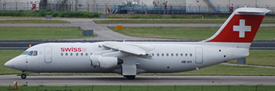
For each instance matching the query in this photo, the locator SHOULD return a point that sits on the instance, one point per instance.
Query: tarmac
(7, 80)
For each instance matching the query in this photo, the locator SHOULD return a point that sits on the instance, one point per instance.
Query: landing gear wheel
(130, 77)
(23, 76)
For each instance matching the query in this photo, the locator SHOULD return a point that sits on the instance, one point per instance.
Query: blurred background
(138, 6)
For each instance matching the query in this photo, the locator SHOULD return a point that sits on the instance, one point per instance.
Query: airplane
(231, 41)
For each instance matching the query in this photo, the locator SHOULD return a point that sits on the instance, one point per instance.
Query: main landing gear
(23, 76)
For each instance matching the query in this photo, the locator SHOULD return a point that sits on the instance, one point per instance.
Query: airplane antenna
(124, 40)
(30, 45)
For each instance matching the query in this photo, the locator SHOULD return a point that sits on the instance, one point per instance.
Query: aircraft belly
(156, 66)
(167, 64)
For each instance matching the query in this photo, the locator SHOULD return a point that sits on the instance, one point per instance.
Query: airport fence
(125, 9)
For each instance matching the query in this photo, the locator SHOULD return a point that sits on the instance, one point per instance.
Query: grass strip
(157, 16)
(260, 57)
(40, 33)
(43, 13)
(142, 88)
(33, 22)
(187, 33)
(156, 21)
(175, 21)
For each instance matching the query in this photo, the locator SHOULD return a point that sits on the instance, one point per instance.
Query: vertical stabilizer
(241, 27)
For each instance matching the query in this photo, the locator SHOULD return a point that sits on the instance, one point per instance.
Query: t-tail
(239, 29)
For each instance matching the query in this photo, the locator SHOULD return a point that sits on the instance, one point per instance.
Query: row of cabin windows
(76, 54)
(158, 54)
(172, 54)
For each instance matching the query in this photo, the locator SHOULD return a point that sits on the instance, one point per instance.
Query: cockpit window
(24, 53)
(34, 53)
(30, 53)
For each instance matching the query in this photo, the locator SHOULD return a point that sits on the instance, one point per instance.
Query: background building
(226, 5)
(137, 6)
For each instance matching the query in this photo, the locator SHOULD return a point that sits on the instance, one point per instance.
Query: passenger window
(157, 54)
(181, 54)
(167, 54)
(76, 54)
(172, 54)
(162, 54)
(71, 54)
(86, 54)
(177, 54)
(34, 53)
(24, 53)
(61, 54)
(66, 54)
(81, 54)
(190, 54)
(91, 53)
(30, 53)
(186, 54)
(152, 54)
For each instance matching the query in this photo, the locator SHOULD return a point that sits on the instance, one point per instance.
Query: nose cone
(9, 64)
(16, 63)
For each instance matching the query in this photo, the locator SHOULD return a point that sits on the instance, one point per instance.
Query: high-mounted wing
(125, 47)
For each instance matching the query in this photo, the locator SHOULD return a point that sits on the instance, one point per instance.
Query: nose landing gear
(23, 75)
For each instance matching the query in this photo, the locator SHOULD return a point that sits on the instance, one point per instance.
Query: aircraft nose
(9, 64)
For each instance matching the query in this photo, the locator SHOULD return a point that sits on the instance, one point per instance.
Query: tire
(23, 76)
(130, 77)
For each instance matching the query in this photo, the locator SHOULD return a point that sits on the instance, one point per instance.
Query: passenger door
(48, 55)
(199, 55)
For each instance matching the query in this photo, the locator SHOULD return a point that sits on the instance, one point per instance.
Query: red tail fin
(240, 27)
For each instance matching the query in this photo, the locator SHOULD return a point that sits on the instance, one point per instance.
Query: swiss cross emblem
(242, 28)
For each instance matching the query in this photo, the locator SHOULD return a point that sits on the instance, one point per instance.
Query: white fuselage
(164, 57)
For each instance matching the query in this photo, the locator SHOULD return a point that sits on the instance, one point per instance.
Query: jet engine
(104, 62)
